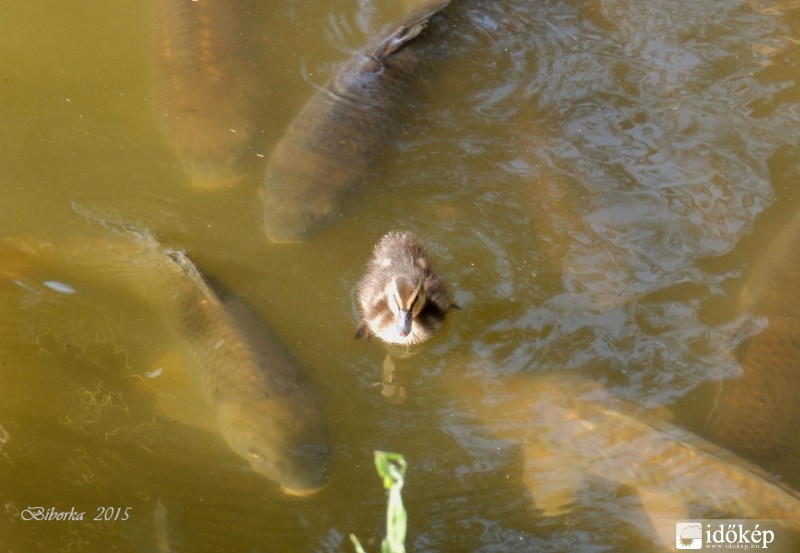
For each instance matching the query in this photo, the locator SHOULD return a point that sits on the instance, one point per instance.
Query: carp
(205, 91)
(247, 380)
(758, 413)
(338, 139)
(569, 427)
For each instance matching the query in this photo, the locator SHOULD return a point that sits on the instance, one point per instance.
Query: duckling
(402, 299)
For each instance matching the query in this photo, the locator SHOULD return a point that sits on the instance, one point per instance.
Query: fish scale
(758, 413)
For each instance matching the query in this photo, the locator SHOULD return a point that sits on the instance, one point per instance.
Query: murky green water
(594, 178)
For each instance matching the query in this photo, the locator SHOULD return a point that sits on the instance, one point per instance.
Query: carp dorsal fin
(408, 29)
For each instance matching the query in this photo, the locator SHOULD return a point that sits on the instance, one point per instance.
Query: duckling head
(405, 300)
(402, 300)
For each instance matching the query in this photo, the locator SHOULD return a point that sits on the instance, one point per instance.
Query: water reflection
(573, 172)
(648, 188)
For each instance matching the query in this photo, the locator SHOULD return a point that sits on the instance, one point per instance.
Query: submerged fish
(339, 137)
(262, 405)
(569, 427)
(160, 528)
(758, 414)
(265, 409)
(204, 88)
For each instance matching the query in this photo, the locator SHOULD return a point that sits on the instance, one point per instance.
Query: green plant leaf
(392, 468)
(357, 544)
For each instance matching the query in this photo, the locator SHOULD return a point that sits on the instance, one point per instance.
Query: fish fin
(161, 527)
(133, 234)
(661, 509)
(105, 210)
(553, 480)
(176, 393)
(408, 29)
(188, 266)
(184, 262)
(128, 257)
(113, 221)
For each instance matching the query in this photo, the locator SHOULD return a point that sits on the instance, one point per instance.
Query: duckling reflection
(402, 299)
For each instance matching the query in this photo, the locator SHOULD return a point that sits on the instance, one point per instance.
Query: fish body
(265, 409)
(339, 138)
(758, 414)
(569, 427)
(204, 88)
(263, 406)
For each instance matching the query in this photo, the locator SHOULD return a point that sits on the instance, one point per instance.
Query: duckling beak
(403, 323)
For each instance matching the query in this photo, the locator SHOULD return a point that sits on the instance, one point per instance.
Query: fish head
(213, 156)
(210, 130)
(213, 174)
(284, 441)
(293, 223)
(293, 212)
(304, 187)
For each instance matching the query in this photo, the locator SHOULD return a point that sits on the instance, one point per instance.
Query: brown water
(593, 177)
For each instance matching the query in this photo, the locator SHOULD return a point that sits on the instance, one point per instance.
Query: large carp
(340, 136)
(569, 427)
(758, 414)
(204, 87)
(262, 405)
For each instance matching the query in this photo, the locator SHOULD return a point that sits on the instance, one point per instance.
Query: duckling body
(401, 297)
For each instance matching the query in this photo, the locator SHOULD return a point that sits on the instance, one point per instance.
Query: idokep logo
(731, 534)
(689, 535)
